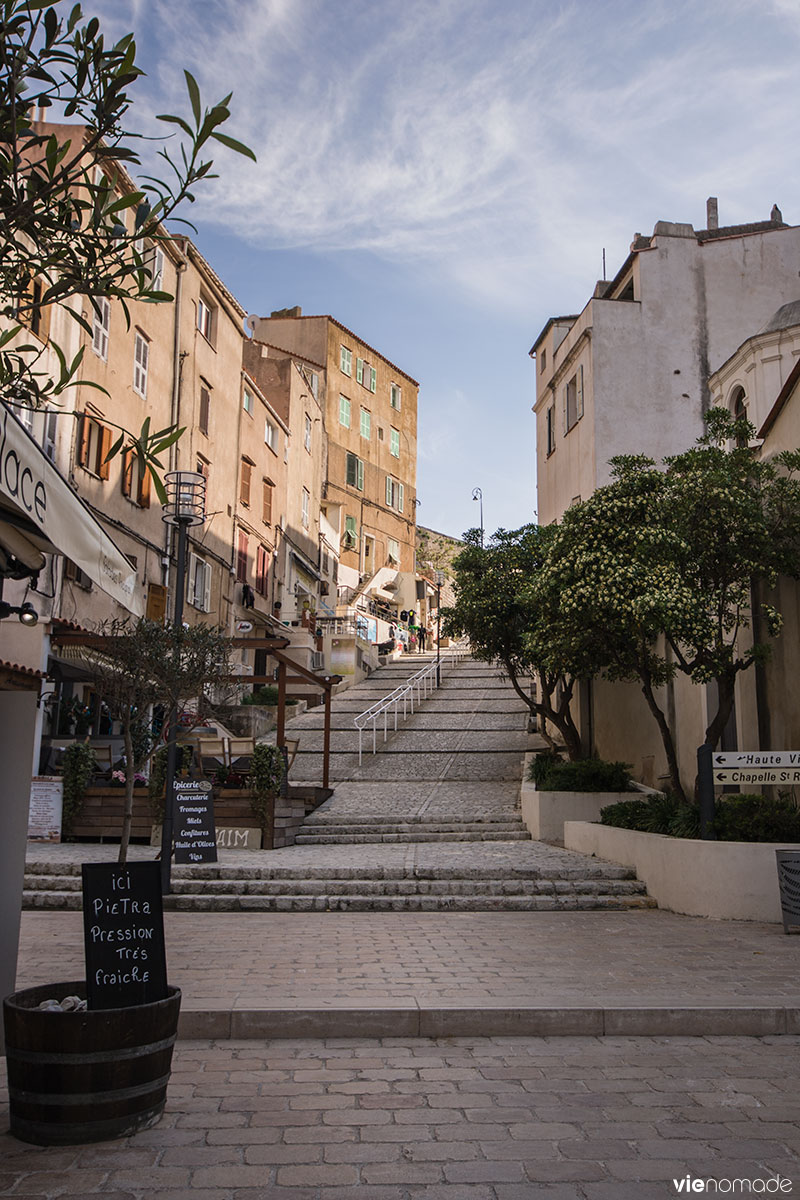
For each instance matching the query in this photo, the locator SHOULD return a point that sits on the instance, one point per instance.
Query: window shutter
(579, 395)
(359, 370)
(241, 558)
(156, 602)
(104, 467)
(204, 407)
(566, 414)
(373, 379)
(400, 497)
(144, 488)
(244, 492)
(389, 490)
(83, 444)
(191, 580)
(266, 515)
(206, 587)
(126, 479)
(360, 484)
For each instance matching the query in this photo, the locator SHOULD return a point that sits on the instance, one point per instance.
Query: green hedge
(738, 818)
(583, 775)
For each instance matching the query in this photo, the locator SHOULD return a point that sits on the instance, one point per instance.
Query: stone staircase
(327, 831)
(364, 889)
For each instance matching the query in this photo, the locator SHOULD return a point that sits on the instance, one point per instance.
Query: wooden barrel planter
(77, 1077)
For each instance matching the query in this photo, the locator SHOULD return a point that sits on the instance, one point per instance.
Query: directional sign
(729, 759)
(733, 775)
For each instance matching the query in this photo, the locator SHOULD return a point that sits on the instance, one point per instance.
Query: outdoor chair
(105, 761)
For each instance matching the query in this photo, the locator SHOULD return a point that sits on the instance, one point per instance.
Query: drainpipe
(175, 404)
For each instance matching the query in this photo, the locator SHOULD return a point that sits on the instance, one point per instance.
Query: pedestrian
(422, 634)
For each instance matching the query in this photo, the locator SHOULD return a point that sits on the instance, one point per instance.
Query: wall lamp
(26, 612)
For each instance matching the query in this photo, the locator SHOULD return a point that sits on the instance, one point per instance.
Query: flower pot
(77, 1077)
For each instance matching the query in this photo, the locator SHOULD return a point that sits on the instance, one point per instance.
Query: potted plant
(267, 773)
(79, 767)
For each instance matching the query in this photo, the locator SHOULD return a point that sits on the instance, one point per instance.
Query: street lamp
(439, 579)
(186, 505)
(477, 494)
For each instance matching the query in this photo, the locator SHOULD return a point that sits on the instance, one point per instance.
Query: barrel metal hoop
(81, 1099)
(97, 1056)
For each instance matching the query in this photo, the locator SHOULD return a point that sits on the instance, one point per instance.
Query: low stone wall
(725, 880)
(544, 813)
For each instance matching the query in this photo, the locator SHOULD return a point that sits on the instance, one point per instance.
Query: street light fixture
(186, 506)
(26, 612)
(477, 494)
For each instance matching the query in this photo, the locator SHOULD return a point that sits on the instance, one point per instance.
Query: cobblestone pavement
(461, 1119)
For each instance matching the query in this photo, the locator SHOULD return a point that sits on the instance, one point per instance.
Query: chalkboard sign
(123, 931)
(195, 838)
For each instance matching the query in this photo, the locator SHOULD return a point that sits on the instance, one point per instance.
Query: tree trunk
(560, 717)
(666, 738)
(726, 685)
(129, 782)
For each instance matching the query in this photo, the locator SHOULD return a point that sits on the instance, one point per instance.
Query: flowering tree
(72, 221)
(655, 574)
(494, 608)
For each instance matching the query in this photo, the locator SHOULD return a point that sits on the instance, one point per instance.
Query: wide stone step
(415, 903)
(335, 839)
(409, 887)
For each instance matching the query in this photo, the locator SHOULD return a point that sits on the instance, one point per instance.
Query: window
(346, 360)
(305, 505)
(152, 261)
(271, 435)
(76, 575)
(372, 382)
(573, 400)
(241, 558)
(739, 407)
(395, 396)
(313, 381)
(31, 311)
(198, 587)
(542, 358)
(344, 412)
(141, 356)
(393, 549)
(394, 443)
(395, 493)
(360, 370)
(551, 430)
(307, 433)
(266, 501)
(202, 466)
(262, 570)
(135, 479)
(50, 431)
(350, 540)
(244, 487)
(355, 472)
(206, 319)
(100, 323)
(94, 445)
(248, 402)
(205, 406)
(366, 423)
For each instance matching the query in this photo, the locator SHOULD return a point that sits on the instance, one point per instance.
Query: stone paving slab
(410, 738)
(507, 1118)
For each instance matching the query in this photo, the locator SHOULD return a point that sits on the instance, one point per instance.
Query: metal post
(477, 494)
(326, 740)
(168, 826)
(705, 792)
(438, 628)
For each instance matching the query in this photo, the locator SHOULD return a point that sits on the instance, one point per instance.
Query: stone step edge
(415, 1019)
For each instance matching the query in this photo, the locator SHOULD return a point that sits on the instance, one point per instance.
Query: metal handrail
(429, 676)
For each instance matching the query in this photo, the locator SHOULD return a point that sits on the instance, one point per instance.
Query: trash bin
(789, 884)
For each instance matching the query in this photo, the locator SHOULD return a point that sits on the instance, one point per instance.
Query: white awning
(41, 514)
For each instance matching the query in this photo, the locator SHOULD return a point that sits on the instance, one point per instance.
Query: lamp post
(477, 494)
(439, 578)
(186, 505)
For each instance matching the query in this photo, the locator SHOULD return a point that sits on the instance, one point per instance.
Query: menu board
(123, 932)
(44, 812)
(195, 838)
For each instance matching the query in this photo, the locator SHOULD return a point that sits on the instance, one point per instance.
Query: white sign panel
(740, 759)
(44, 813)
(757, 775)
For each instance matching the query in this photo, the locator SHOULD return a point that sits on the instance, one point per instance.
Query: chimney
(712, 213)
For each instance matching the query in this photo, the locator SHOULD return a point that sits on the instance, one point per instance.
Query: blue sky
(443, 175)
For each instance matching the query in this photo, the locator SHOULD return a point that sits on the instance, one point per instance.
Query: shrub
(585, 775)
(267, 694)
(541, 764)
(267, 771)
(79, 766)
(755, 818)
(626, 814)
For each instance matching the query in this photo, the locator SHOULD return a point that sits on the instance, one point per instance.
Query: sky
(442, 176)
